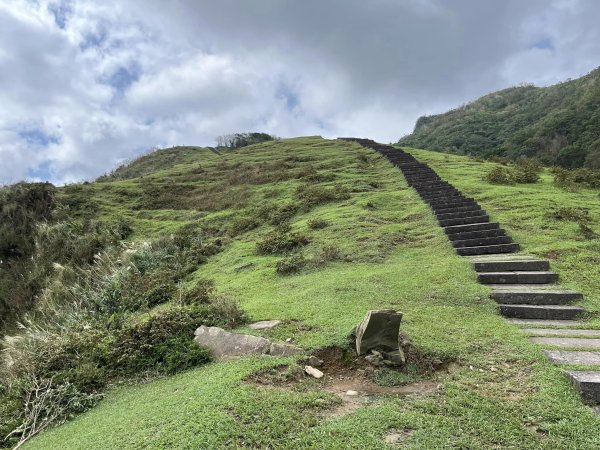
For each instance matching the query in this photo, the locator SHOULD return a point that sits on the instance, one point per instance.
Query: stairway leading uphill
(523, 286)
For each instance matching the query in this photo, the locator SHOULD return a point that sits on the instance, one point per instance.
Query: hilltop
(559, 125)
(309, 231)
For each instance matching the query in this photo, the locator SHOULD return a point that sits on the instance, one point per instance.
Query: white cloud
(85, 84)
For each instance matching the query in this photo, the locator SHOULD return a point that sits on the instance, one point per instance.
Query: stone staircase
(524, 287)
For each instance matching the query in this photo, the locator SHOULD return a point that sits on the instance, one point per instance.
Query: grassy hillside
(560, 125)
(369, 242)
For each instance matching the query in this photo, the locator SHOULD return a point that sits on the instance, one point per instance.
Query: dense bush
(523, 171)
(499, 175)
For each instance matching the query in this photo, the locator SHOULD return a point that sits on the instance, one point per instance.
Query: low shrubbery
(317, 223)
(95, 324)
(570, 179)
(281, 241)
(523, 171)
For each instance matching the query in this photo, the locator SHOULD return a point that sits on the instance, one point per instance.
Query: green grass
(499, 392)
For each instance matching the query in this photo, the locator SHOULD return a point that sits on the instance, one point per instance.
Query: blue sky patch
(286, 93)
(41, 172)
(545, 44)
(36, 136)
(61, 12)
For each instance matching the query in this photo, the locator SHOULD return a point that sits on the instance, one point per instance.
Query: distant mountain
(559, 125)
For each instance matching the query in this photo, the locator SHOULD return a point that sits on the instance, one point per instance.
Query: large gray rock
(379, 330)
(224, 344)
(265, 324)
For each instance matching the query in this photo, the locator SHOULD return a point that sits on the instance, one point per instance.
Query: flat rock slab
(588, 384)
(567, 342)
(224, 344)
(573, 357)
(264, 324)
(544, 323)
(559, 332)
(379, 330)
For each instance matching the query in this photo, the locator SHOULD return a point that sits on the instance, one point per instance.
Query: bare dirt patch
(353, 379)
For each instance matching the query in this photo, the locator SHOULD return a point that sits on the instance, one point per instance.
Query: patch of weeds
(283, 213)
(291, 264)
(571, 214)
(587, 232)
(312, 175)
(202, 292)
(244, 224)
(281, 241)
(329, 253)
(388, 377)
(317, 223)
(311, 196)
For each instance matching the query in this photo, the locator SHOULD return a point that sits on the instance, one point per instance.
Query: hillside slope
(377, 246)
(558, 124)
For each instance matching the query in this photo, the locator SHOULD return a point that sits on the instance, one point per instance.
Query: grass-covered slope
(376, 246)
(560, 125)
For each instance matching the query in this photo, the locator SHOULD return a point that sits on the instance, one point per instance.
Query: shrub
(148, 290)
(283, 213)
(160, 341)
(291, 264)
(317, 224)
(526, 170)
(202, 292)
(499, 175)
(281, 241)
(577, 177)
(47, 403)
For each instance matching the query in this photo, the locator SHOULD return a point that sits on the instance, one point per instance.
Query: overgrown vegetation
(237, 140)
(500, 392)
(557, 125)
(523, 171)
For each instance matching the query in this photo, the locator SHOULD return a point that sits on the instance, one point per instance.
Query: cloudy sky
(86, 84)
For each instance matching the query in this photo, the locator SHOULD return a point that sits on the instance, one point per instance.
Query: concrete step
(559, 332)
(510, 266)
(567, 342)
(445, 203)
(488, 249)
(564, 324)
(573, 357)
(450, 231)
(478, 242)
(533, 295)
(549, 312)
(587, 382)
(498, 232)
(542, 277)
(446, 197)
(460, 214)
(463, 221)
(457, 209)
